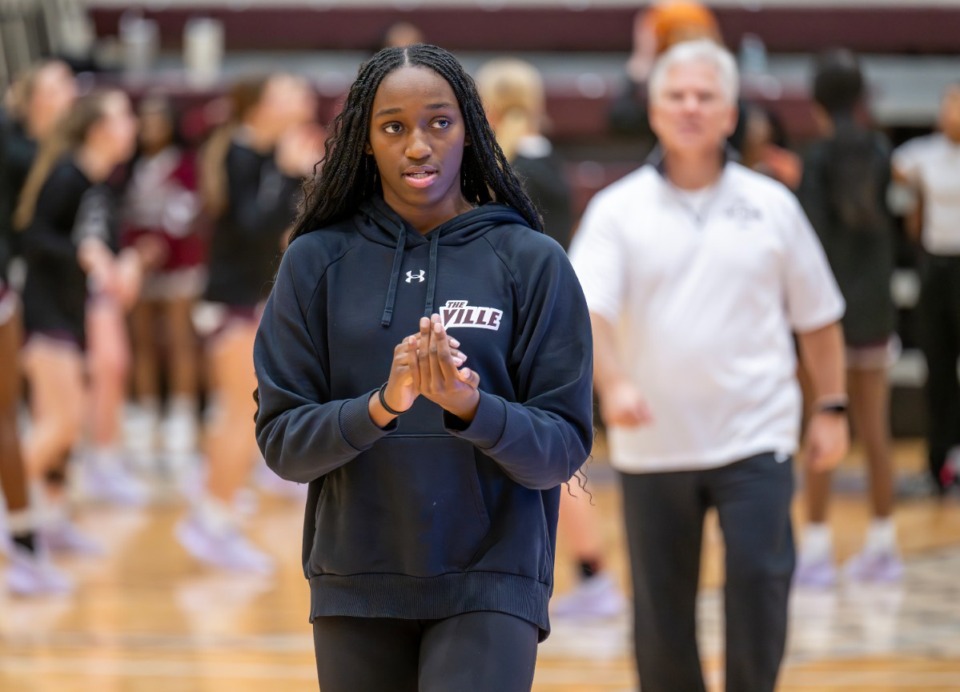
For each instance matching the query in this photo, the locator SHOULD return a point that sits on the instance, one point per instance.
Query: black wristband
(383, 402)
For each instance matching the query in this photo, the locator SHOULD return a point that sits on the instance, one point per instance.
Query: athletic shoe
(815, 574)
(32, 574)
(882, 567)
(113, 485)
(64, 537)
(229, 549)
(596, 597)
(270, 483)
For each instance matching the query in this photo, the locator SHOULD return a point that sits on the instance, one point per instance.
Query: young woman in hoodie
(434, 487)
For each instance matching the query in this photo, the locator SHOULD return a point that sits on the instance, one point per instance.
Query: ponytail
(68, 135)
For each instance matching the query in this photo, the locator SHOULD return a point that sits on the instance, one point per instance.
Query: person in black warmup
(250, 175)
(434, 486)
(69, 242)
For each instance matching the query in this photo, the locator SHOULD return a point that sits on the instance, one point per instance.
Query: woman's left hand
(441, 379)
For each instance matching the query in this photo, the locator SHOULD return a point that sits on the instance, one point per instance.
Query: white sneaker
(229, 550)
(64, 536)
(270, 483)
(815, 573)
(113, 484)
(596, 597)
(884, 567)
(33, 574)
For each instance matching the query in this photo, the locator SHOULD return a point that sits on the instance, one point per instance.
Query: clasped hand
(429, 363)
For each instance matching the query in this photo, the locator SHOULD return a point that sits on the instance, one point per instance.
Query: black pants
(939, 316)
(474, 652)
(664, 514)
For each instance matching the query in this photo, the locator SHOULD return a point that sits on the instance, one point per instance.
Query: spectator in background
(162, 205)
(931, 166)
(764, 147)
(400, 35)
(709, 267)
(250, 173)
(513, 98)
(69, 241)
(846, 174)
(655, 30)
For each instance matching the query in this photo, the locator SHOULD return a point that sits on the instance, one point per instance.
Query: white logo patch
(456, 313)
(419, 278)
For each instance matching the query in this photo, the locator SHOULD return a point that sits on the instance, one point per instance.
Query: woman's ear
(367, 149)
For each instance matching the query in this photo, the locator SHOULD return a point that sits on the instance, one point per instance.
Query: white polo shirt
(932, 164)
(708, 289)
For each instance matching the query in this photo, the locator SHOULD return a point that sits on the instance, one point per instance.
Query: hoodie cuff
(356, 425)
(487, 427)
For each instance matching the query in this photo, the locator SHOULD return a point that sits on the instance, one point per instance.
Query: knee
(759, 567)
(111, 364)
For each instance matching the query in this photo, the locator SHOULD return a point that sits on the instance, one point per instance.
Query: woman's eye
(391, 128)
(441, 123)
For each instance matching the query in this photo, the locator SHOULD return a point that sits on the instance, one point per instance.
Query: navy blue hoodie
(429, 517)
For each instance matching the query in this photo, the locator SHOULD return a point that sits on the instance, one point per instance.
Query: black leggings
(473, 652)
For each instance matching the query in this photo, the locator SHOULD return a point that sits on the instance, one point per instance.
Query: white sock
(20, 522)
(182, 405)
(216, 516)
(150, 406)
(817, 542)
(881, 537)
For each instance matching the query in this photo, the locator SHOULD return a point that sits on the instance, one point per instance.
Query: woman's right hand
(403, 383)
(401, 390)
(97, 262)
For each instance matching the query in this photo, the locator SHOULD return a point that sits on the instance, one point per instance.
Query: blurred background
(144, 616)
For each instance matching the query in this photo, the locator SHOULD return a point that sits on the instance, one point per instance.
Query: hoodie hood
(381, 224)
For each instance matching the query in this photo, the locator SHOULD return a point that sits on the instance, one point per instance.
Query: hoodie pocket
(412, 505)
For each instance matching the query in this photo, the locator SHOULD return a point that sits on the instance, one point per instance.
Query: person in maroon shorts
(162, 207)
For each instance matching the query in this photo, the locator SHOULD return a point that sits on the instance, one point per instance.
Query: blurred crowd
(138, 244)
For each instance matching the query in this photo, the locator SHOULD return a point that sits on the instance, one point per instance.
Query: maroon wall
(888, 30)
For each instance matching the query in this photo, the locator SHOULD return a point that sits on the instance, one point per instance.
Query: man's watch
(836, 407)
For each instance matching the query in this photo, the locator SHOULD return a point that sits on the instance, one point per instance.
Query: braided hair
(347, 175)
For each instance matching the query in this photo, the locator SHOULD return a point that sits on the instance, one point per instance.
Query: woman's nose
(417, 146)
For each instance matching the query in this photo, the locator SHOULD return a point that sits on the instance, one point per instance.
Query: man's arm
(620, 402)
(828, 437)
(913, 216)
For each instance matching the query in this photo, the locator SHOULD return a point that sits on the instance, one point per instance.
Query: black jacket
(17, 153)
(862, 259)
(69, 209)
(245, 247)
(430, 517)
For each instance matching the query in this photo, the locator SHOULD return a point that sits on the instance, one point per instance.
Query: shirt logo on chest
(457, 313)
(419, 278)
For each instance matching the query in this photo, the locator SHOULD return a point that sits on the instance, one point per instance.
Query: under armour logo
(419, 278)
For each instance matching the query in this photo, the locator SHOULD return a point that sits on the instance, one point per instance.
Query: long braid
(347, 175)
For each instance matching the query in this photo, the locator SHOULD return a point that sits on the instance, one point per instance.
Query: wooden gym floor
(145, 618)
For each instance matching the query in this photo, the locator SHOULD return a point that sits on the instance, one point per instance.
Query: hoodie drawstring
(432, 274)
(394, 278)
